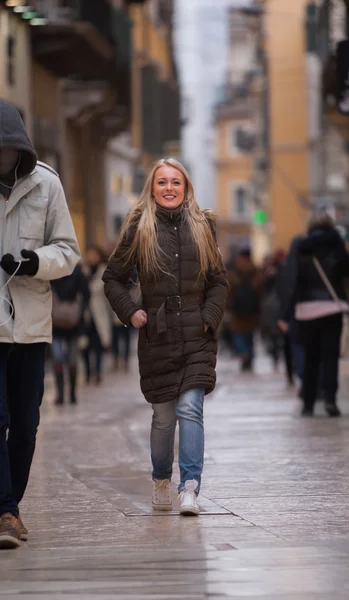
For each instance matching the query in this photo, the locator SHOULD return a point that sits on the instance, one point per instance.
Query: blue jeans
(188, 409)
(123, 334)
(65, 350)
(244, 343)
(22, 370)
(95, 347)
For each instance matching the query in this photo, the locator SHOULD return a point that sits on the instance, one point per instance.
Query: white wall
(201, 43)
(241, 55)
(118, 165)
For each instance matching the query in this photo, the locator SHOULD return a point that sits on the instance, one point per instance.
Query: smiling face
(169, 187)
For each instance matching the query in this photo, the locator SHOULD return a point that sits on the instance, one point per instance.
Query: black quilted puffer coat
(175, 354)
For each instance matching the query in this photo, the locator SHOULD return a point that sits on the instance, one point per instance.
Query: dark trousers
(321, 338)
(287, 350)
(296, 348)
(22, 370)
(121, 334)
(243, 343)
(281, 344)
(94, 347)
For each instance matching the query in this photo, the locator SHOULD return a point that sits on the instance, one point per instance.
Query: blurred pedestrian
(38, 244)
(244, 305)
(313, 287)
(184, 289)
(277, 343)
(70, 301)
(121, 345)
(98, 317)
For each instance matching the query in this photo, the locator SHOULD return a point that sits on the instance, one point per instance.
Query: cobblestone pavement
(274, 501)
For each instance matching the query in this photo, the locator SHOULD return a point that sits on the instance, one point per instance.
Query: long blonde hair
(145, 247)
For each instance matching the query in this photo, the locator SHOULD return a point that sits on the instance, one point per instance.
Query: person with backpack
(246, 283)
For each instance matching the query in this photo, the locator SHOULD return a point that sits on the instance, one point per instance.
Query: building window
(240, 201)
(241, 138)
(11, 57)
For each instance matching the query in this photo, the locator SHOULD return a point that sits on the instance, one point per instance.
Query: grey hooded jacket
(34, 217)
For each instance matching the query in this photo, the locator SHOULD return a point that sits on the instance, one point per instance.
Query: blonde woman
(184, 289)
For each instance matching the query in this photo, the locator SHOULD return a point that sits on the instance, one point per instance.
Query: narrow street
(274, 501)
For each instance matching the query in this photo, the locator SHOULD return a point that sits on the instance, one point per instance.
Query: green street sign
(260, 217)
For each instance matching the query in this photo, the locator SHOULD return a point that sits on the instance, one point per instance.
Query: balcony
(239, 108)
(84, 40)
(160, 112)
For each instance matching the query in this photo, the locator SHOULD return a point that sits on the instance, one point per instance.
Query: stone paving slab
(274, 520)
(181, 574)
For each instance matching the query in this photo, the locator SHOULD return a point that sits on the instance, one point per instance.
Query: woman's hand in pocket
(139, 319)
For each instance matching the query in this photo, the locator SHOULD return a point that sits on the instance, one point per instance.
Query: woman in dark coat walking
(244, 304)
(318, 258)
(184, 289)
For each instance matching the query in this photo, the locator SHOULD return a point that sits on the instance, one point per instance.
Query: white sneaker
(189, 500)
(162, 494)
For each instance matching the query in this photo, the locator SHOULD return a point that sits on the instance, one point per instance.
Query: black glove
(28, 267)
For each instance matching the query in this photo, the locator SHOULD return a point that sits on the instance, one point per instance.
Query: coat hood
(321, 241)
(13, 135)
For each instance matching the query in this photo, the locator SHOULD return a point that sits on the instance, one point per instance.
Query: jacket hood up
(13, 135)
(321, 242)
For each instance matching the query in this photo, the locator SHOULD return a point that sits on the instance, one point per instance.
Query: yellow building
(288, 117)
(15, 63)
(155, 93)
(233, 176)
(239, 188)
(81, 100)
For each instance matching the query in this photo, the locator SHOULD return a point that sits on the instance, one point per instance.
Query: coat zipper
(180, 284)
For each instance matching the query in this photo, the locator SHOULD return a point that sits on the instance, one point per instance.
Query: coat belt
(174, 304)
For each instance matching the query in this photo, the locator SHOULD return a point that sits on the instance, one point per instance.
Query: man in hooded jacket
(38, 244)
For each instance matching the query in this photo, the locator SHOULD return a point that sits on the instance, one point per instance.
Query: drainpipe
(314, 88)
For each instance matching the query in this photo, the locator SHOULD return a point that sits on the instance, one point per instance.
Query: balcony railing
(112, 23)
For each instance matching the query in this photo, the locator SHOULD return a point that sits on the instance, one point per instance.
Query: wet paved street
(275, 511)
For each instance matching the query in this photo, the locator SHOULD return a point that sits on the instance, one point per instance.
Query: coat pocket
(153, 337)
(32, 218)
